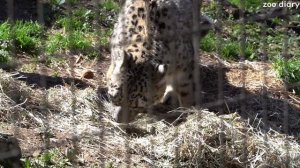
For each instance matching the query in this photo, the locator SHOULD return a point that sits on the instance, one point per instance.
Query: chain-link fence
(201, 83)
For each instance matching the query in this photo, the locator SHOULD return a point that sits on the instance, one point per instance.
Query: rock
(88, 74)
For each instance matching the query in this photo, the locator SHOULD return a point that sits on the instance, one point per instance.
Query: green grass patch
(109, 5)
(73, 2)
(208, 43)
(28, 36)
(80, 20)
(4, 56)
(5, 42)
(55, 43)
(230, 47)
(78, 41)
(109, 10)
(232, 51)
(52, 158)
(75, 41)
(231, 37)
(75, 32)
(288, 70)
(210, 9)
(5, 32)
(105, 37)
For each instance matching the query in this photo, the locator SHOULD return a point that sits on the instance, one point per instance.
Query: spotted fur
(152, 54)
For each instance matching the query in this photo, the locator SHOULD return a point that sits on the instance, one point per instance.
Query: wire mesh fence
(186, 84)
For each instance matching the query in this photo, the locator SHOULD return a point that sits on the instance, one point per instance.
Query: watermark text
(282, 4)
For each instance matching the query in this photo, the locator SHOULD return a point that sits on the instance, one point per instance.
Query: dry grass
(203, 139)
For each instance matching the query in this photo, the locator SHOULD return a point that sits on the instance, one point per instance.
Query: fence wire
(286, 108)
(219, 102)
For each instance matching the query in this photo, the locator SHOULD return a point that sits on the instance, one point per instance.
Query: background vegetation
(255, 41)
(81, 31)
(85, 31)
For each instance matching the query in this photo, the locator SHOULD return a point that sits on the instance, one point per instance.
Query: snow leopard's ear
(206, 24)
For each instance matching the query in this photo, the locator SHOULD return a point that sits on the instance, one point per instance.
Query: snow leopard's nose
(120, 115)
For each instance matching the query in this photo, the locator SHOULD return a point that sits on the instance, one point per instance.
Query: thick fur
(152, 54)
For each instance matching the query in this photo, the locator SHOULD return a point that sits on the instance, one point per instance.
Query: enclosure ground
(65, 121)
(77, 122)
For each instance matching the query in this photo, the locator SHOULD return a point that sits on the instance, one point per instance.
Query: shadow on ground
(275, 111)
(44, 81)
(269, 111)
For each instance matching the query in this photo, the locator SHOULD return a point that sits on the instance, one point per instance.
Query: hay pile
(203, 139)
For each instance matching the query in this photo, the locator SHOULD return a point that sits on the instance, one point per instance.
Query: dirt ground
(33, 141)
